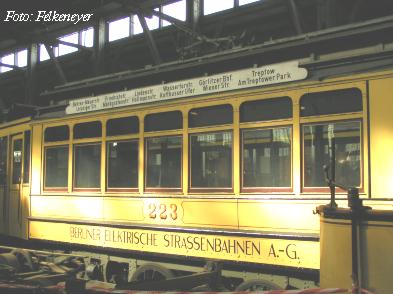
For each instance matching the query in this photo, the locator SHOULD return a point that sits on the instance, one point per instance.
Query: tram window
(211, 160)
(3, 159)
(122, 126)
(331, 102)
(163, 156)
(122, 158)
(26, 158)
(318, 140)
(171, 120)
(59, 133)
(87, 162)
(56, 167)
(209, 116)
(87, 130)
(266, 109)
(267, 157)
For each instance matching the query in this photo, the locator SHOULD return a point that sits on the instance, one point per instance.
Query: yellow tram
(233, 176)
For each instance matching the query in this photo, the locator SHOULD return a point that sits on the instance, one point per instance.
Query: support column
(99, 47)
(31, 75)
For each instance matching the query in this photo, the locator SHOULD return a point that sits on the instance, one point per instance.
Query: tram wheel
(152, 272)
(257, 285)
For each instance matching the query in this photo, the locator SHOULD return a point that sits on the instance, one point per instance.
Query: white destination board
(246, 78)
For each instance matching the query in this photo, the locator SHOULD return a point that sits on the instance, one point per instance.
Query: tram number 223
(162, 211)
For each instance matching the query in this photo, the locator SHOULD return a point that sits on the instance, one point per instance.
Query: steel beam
(31, 74)
(295, 17)
(11, 66)
(314, 39)
(182, 26)
(56, 63)
(99, 46)
(149, 38)
(81, 47)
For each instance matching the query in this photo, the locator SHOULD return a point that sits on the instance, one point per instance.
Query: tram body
(231, 176)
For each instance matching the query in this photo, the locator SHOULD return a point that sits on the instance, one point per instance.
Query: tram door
(15, 195)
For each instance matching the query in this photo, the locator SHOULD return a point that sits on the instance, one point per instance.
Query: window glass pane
(267, 109)
(26, 158)
(212, 6)
(244, 2)
(56, 167)
(212, 115)
(122, 126)
(64, 49)
(22, 58)
(3, 159)
(8, 59)
(163, 162)
(318, 139)
(211, 160)
(87, 37)
(171, 120)
(330, 102)
(87, 166)
(87, 130)
(119, 29)
(16, 161)
(176, 10)
(53, 134)
(43, 53)
(122, 161)
(267, 157)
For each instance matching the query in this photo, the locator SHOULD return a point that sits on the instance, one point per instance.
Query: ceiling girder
(56, 63)
(150, 40)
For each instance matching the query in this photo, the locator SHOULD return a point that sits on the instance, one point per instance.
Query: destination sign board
(241, 79)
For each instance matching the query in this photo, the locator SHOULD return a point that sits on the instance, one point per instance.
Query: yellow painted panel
(293, 253)
(381, 137)
(221, 213)
(336, 256)
(376, 243)
(67, 207)
(278, 215)
(36, 160)
(121, 209)
(379, 259)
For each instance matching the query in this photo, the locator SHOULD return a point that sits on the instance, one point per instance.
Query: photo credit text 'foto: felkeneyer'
(46, 16)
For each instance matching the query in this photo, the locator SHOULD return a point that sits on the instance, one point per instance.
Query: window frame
(243, 189)
(209, 130)
(344, 118)
(120, 189)
(55, 189)
(84, 143)
(170, 133)
(49, 144)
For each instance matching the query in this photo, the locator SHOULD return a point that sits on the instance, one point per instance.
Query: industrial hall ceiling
(241, 36)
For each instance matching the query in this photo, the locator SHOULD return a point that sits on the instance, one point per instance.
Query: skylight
(212, 6)
(21, 58)
(65, 49)
(119, 29)
(87, 37)
(176, 10)
(7, 59)
(244, 2)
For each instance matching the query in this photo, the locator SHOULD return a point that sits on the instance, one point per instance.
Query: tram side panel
(381, 137)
